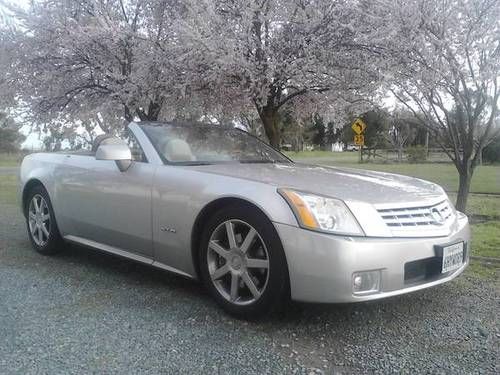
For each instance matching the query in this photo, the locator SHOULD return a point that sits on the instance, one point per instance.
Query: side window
(136, 149)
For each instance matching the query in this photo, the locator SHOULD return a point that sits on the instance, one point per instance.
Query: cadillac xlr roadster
(217, 204)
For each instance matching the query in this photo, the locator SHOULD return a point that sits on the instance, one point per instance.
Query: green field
(8, 189)
(10, 160)
(485, 207)
(486, 238)
(486, 178)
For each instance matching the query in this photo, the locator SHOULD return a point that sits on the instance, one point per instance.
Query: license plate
(453, 256)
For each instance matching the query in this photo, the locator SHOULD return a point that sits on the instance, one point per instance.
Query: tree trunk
(427, 144)
(400, 154)
(465, 178)
(129, 117)
(154, 111)
(270, 120)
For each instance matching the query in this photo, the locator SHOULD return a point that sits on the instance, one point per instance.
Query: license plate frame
(452, 256)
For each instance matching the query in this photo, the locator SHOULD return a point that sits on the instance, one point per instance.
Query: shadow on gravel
(104, 266)
(134, 273)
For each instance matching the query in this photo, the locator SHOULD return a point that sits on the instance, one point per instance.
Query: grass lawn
(486, 239)
(486, 178)
(485, 272)
(486, 233)
(486, 207)
(10, 160)
(8, 189)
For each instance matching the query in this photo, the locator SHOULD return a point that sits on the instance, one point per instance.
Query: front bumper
(321, 266)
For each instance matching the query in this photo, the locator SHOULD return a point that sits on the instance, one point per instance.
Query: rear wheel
(41, 222)
(242, 262)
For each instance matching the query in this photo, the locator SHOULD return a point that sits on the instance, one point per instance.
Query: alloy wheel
(39, 220)
(238, 262)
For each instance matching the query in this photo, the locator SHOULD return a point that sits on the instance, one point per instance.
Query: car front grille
(410, 219)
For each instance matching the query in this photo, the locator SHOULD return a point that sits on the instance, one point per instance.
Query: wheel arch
(208, 211)
(30, 184)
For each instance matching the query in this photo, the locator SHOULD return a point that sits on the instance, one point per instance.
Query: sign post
(359, 126)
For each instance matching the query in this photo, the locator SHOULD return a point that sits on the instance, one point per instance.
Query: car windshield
(209, 144)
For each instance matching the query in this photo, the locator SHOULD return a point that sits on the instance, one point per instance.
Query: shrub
(416, 154)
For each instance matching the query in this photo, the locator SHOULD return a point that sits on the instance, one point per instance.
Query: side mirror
(117, 151)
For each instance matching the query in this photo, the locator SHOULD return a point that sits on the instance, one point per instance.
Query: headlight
(452, 206)
(321, 213)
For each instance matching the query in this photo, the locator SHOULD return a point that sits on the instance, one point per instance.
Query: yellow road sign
(358, 126)
(359, 139)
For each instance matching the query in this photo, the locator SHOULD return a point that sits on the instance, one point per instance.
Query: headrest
(178, 150)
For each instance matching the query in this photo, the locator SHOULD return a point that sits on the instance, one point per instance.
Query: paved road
(85, 312)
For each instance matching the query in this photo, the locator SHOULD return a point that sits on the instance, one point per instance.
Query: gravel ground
(86, 312)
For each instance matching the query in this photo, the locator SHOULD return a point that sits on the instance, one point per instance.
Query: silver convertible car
(217, 204)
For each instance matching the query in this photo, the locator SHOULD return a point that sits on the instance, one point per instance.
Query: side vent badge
(170, 230)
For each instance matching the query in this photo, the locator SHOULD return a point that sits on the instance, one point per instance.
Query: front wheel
(242, 262)
(41, 222)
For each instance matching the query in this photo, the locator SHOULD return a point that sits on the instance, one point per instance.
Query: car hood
(344, 183)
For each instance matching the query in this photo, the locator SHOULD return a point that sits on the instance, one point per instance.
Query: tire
(260, 262)
(41, 224)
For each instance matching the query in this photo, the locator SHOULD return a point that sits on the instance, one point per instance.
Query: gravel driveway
(85, 312)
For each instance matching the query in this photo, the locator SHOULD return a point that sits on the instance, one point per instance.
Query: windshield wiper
(191, 163)
(257, 161)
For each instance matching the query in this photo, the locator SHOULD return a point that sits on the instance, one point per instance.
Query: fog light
(366, 282)
(357, 282)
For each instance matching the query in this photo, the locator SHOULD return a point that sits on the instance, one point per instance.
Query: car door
(106, 206)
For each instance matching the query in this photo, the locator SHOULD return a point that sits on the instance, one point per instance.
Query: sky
(33, 141)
